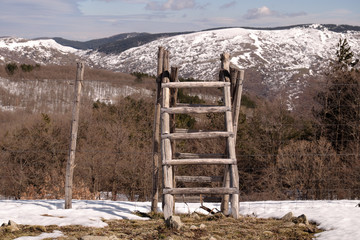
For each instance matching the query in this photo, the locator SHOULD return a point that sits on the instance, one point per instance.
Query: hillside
(279, 61)
(276, 61)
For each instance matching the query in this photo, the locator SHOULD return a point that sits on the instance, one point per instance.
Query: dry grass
(68, 72)
(219, 228)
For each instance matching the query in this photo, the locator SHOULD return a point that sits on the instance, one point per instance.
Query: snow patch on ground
(340, 218)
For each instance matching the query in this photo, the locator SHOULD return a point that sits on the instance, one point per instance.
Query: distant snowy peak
(270, 50)
(40, 51)
(282, 58)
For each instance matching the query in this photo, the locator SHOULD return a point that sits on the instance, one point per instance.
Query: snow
(54, 234)
(19, 43)
(339, 218)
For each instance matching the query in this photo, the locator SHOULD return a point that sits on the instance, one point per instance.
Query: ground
(207, 226)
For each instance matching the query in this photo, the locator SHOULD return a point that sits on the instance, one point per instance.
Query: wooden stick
(224, 76)
(74, 130)
(237, 101)
(196, 135)
(214, 191)
(234, 180)
(166, 154)
(198, 110)
(195, 84)
(201, 161)
(156, 133)
(198, 155)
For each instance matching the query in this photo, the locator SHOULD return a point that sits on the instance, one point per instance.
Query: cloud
(256, 13)
(228, 5)
(263, 12)
(174, 5)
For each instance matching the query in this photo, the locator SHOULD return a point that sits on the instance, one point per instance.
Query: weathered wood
(224, 75)
(160, 66)
(225, 61)
(199, 179)
(168, 199)
(198, 155)
(234, 180)
(201, 161)
(156, 133)
(196, 110)
(233, 77)
(237, 102)
(195, 84)
(197, 135)
(225, 65)
(214, 191)
(174, 77)
(74, 130)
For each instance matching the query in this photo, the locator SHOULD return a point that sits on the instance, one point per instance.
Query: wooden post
(74, 129)
(174, 77)
(166, 154)
(225, 68)
(234, 180)
(237, 101)
(156, 134)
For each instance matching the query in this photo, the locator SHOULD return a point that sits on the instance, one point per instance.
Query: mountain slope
(280, 59)
(36, 51)
(277, 62)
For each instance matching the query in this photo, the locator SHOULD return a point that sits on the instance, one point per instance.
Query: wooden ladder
(168, 162)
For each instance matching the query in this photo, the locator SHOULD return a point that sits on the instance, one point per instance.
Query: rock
(12, 223)
(195, 216)
(287, 217)
(202, 226)
(302, 225)
(174, 222)
(289, 224)
(212, 238)
(12, 226)
(188, 235)
(303, 219)
(268, 234)
(193, 227)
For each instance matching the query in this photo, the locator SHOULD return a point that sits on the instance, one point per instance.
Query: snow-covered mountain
(282, 59)
(36, 51)
(278, 61)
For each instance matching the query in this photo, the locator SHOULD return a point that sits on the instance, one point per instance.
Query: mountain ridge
(277, 62)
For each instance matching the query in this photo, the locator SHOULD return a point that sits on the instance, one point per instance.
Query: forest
(281, 154)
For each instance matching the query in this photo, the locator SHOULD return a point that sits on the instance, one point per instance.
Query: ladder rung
(197, 135)
(219, 190)
(199, 155)
(203, 109)
(205, 161)
(199, 179)
(194, 84)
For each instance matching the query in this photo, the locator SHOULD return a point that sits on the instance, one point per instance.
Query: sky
(90, 19)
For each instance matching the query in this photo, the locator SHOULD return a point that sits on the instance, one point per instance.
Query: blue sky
(89, 19)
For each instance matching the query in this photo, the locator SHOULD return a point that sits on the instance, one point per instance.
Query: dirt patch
(205, 227)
